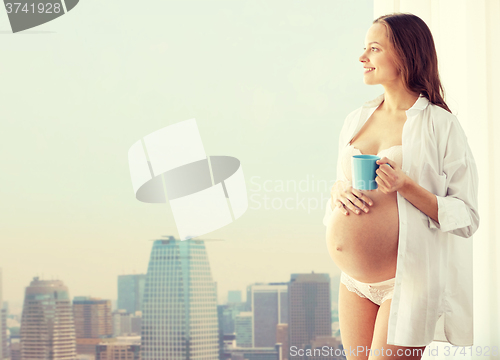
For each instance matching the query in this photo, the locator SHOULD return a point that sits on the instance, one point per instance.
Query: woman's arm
(457, 211)
(421, 198)
(451, 203)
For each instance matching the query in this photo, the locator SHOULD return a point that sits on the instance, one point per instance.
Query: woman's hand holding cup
(345, 197)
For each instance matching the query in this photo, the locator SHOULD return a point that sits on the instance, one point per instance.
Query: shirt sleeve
(342, 141)
(458, 210)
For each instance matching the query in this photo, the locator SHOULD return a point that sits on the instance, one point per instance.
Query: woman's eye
(374, 48)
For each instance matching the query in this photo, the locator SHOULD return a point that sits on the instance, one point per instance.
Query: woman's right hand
(345, 197)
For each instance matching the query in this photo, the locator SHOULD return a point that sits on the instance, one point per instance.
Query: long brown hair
(416, 56)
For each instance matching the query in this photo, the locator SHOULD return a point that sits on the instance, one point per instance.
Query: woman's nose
(363, 57)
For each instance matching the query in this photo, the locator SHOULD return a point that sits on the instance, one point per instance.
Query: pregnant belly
(365, 246)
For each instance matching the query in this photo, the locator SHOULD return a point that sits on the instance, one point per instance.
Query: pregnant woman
(399, 244)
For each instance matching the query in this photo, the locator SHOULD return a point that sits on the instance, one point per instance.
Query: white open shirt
(432, 298)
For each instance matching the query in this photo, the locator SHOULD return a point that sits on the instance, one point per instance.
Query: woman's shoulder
(436, 112)
(354, 113)
(444, 122)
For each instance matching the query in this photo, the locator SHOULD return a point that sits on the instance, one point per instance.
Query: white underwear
(376, 292)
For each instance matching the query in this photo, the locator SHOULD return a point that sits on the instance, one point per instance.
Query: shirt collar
(419, 105)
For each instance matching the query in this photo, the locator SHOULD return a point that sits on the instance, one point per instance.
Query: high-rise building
(130, 292)
(4, 353)
(125, 348)
(269, 304)
(136, 323)
(282, 338)
(15, 349)
(179, 317)
(234, 296)
(249, 297)
(122, 322)
(265, 353)
(228, 343)
(220, 311)
(329, 347)
(244, 329)
(309, 307)
(228, 317)
(93, 321)
(3, 324)
(4, 349)
(92, 317)
(47, 327)
(228, 314)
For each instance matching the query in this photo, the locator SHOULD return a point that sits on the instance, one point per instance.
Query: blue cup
(363, 172)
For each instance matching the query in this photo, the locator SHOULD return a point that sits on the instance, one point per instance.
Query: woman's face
(379, 55)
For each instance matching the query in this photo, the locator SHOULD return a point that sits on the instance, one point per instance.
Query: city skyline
(179, 303)
(15, 306)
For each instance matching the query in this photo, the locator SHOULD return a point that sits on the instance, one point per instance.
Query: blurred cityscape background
(171, 312)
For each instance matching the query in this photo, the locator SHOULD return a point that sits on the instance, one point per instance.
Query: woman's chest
(379, 132)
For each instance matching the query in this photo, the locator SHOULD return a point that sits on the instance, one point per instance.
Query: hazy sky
(268, 82)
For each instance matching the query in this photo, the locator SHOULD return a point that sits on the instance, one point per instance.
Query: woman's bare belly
(365, 246)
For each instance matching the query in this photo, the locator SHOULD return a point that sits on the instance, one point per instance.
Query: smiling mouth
(367, 70)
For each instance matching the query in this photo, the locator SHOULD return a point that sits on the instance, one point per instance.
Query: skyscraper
(130, 292)
(93, 321)
(244, 329)
(309, 309)
(47, 328)
(179, 317)
(269, 303)
(92, 317)
(234, 296)
(125, 324)
(2, 325)
(125, 348)
(136, 323)
(282, 338)
(15, 350)
(122, 323)
(3, 334)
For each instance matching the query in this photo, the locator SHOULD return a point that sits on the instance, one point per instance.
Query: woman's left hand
(390, 178)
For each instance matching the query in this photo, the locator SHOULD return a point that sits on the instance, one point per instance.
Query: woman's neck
(397, 99)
